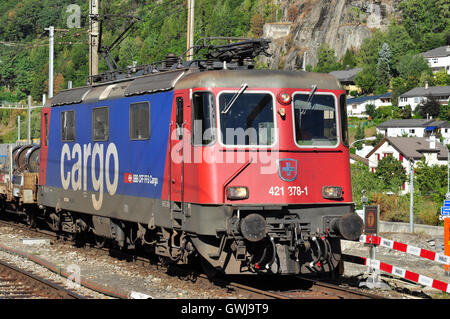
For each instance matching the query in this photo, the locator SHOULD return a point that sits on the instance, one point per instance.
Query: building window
(412, 131)
(140, 121)
(68, 126)
(100, 124)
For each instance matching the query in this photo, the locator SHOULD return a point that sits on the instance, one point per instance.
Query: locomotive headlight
(284, 98)
(332, 192)
(237, 192)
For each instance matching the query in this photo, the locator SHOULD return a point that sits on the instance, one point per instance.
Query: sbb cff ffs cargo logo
(128, 178)
(287, 169)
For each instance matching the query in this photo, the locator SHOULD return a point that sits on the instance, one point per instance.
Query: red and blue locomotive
(246, 169)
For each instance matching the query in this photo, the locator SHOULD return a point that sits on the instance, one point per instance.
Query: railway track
(314, 289)
(17, 283)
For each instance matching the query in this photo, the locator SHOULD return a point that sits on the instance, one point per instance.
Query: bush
(393, 208)
(427, 212)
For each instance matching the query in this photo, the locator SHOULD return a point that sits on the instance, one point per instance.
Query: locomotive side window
(179, 118)
(46, 129)
(140, 121)
(68, 126)
(344, 120)
(315, 120)
(204, 118)
(100, 124)
(249, 120)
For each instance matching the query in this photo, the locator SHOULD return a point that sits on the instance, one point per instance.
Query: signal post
(445, 215)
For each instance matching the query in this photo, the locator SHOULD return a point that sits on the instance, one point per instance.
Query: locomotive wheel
(99, 241)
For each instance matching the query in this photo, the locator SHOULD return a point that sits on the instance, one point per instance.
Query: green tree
(383, 69)
(425, 21)
(441, 78)
(363, 179)
(371, 110)
(349, 59)
(366, 79)
(327, 60)
(391, 172)
(429, 107)
(431, 181)
(359, 136)
(400, 44)
(370, 47)
(411, 68)
(406, 112)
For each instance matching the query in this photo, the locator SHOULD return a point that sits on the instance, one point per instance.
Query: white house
(406, 148)
(438, 58)
(415, 128)
(420, 94)
(357, 107)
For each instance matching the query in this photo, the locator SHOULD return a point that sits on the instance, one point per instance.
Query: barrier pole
(447, 243)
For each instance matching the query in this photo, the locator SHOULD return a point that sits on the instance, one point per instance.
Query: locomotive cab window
(344, 119)
(204, 118)
(100, 124)
(68, 126)
(140, 121)
(249, 120)
(315, 120)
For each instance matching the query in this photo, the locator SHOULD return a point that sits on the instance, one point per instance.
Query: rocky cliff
(343, 24)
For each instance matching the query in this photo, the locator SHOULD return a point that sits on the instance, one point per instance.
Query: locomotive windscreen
(315, 120)
(249, 120)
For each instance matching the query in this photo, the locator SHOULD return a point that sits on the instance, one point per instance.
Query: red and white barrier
(406, 274)
(412, 250)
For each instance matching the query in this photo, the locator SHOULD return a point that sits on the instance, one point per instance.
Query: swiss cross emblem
(287, 169)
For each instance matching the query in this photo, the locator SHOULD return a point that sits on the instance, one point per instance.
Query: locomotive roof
(259, 79)
(189, 78)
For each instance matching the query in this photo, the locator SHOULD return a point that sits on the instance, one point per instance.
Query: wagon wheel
(31, 220)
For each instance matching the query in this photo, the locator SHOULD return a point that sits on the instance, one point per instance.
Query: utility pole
(411, 196)
(93, 37)
(190, 30)
(51, 39)
(29, 120)
(18, 128)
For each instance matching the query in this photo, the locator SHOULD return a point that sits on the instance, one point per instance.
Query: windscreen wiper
(244, 86)
(311, 94)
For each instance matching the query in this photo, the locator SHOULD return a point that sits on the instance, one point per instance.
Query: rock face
(343, 24)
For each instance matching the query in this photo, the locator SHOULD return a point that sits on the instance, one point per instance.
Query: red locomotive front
(268, 152)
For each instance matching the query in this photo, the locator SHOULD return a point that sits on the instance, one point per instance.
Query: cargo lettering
(77, 176)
